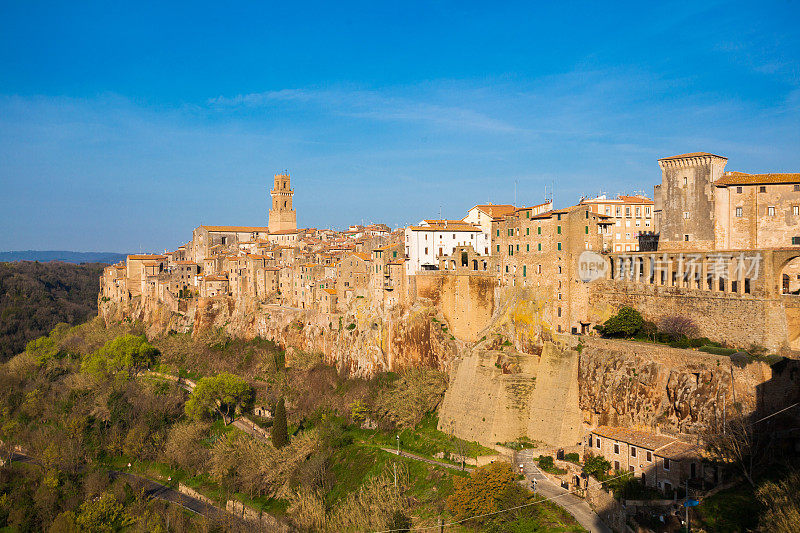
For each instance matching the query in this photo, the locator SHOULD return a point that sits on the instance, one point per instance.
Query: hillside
(34, 297)
(91, 419)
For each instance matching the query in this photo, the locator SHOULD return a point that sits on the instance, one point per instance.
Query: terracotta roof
(661, 445)
(362, 255)
(635, 199)
(742, 178)
(517, 210)
(451, 226)
(145, 257)
(185, 263)
(330, 291)
(495, 210)
(692, 154)
(241, 229)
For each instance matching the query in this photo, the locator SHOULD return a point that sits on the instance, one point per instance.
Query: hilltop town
(714, 243)
(518, 303)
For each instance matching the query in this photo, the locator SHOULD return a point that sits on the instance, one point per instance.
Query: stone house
(658, 461)
(214, 285)
(329, 301)
(631, 216)
(541, 253)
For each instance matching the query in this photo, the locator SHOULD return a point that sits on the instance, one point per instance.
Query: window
(739, 190)
(762, 189)
(587, 230)
(527, 247)
(633, 451)
(559, 316)
(498, 233)
(739, 212)
(590, 441)
(527, 231)
(649, 456)
(426, 249)
(558, 230)
(770, 211)
(540, 246)
(666, 464)
(686, 181)
(616, 448)
(795, 240)
(797, 188)
(559, 246)
(524, 271)
(616, 465)
(796, 210)
(558, 216)
(539, 230)
(630, 468)
(686, 238)
(686, 215)
(627, 211)
(498, 248)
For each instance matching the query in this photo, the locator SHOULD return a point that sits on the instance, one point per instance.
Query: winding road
(575, 506)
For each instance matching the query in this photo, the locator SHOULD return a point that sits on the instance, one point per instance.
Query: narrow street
(574, 505)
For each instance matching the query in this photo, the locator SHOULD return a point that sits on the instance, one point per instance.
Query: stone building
(282, 215)
(631, 215)
(209, 240)
(541, 252)
(656, 460)
(700, 207)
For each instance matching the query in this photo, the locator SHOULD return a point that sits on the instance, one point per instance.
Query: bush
(597, 466)
(676, 327)
(482, 492)
(626, 323)
(417, 392)
(546, 462)
(573, 457)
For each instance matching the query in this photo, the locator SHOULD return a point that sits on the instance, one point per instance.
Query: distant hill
(61, 255)
(34, 297)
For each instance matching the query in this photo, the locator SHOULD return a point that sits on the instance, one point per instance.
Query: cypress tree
(280, 434)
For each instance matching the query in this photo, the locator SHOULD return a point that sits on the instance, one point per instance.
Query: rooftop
(248, 229)
(742, 178)
(692, 154)
(495, 210)
(661, 445)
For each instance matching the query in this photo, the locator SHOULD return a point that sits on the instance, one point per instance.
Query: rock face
(510, 374)
(360, 342)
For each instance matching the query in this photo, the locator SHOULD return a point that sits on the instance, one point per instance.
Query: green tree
(225, 393)
(102, 514)
(626, 323)
(280, 433)
(597, 466)
(130, 353)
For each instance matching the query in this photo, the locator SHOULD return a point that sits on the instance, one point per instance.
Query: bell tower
(282, 215)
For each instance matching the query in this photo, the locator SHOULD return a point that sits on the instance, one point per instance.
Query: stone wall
(466, 301)
(492, 402)
(738, 320)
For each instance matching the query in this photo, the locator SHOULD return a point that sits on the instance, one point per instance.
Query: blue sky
(124, 125)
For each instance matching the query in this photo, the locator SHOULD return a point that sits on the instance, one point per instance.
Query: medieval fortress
(501, 299)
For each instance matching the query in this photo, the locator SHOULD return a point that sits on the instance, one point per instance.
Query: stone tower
(282, 215)
(687, 200)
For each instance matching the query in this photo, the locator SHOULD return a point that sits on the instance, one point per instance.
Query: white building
(430, 239)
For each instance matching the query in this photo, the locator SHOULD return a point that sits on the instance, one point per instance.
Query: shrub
(408, 399)
(676, 327)
(546, 462)
(483, 492)
(573, 457)
(351, 326)
(597, 466)
(626, 323)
